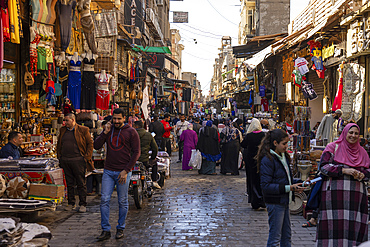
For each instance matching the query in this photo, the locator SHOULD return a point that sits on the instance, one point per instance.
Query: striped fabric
(343, 216)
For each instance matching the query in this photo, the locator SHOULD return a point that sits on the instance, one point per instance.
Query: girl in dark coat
(277, 185)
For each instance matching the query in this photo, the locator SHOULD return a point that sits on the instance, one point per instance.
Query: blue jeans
(279, 223)
(109, 181)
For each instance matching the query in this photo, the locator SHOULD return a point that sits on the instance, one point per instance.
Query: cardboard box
(46, 190)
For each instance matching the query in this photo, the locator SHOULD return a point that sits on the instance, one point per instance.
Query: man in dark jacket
(123, 150)
(12, 149)
(147, 143)
(74, 151)
(157, 127)
(196, 126)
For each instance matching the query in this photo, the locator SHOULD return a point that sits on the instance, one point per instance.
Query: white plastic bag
(192, 157)
(195, 159)
(240, 161)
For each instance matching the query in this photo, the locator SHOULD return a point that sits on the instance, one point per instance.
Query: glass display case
(7, 93)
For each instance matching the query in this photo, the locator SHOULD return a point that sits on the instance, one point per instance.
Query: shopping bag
(240, 161)
(192, 157)
(198, 160)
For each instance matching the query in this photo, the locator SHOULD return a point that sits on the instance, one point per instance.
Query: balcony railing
(152, 22)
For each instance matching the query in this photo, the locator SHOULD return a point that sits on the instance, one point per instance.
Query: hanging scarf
(349, 154)
(338, 97)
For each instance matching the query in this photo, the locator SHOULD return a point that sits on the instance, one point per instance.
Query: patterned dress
(343, 215)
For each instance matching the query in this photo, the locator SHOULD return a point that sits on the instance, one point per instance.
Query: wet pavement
(191, 210)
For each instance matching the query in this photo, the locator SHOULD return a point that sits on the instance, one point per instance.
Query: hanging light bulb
(98, 16)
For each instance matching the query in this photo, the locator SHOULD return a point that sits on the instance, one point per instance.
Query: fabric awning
(258, 58)
(152, 49)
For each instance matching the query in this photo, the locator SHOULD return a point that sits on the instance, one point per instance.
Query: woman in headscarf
(230, 149)
(190, 139)
(209, 146)
(250, 144)
(343, 213)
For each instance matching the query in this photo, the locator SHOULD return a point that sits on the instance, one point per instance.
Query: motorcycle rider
(147, 143)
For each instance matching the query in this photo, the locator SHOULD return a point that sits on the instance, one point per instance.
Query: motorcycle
(141, 184)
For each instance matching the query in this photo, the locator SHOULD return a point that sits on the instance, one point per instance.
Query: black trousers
(159, 142)
(74, 171)
(166, 145)
(154, 175)
(181, 149)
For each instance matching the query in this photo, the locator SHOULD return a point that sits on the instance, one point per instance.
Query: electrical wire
(221, 14)
(197, 56)
(219, 35)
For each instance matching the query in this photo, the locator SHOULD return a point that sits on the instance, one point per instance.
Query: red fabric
(102, 100)
(349, 154)
(265, 104)
(49, 83)
(67, 109)
(320, 73)
(167, 129)
(5, 20)
(338, 97)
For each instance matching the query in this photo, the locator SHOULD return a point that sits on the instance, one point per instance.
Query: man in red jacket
(123, 150)
(167, 133)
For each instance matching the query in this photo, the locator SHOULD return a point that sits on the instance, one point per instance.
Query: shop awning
(258, 58)
(152, 49)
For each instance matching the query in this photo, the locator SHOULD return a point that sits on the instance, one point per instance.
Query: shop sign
(156, 61)
(134, 16)
(180, 17)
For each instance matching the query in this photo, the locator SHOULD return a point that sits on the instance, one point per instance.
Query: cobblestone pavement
(191, 210)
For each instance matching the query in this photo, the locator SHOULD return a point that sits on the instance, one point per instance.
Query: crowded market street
(191, 210)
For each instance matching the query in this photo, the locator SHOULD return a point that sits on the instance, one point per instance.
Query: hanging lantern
(133, 94)
(98, 16)
(150, 97)
(140, 95)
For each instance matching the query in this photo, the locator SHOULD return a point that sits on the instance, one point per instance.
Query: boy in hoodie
(123, 150)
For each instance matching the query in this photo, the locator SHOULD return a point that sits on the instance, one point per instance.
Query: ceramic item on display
(18, 188)
(2, 185)
(6, 87)
(133, 94)
(304, 167)
(11, 88)
(296, 207)
(1, 87)
(140, 94)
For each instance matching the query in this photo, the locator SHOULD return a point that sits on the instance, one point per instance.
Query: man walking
(12, 149)
(167, 134)
(157, 127)
(180, 127)
(123, 150)
(74, 151)
(147, 143)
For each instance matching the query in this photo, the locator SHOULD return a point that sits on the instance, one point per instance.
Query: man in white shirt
(180, 127)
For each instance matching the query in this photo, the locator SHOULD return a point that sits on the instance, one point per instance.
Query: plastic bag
(195, 159)
(240, 161)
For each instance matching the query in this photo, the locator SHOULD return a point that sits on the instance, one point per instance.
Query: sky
(209, 20)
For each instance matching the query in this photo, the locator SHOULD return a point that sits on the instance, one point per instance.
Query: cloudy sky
(209, 20)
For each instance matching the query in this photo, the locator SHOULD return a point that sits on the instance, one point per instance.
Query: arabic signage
(180, 17)
(134, 16)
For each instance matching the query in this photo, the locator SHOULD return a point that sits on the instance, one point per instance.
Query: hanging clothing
(74, 83)
(41, 58)
(66, 13)
(337, 104)
(301, 63)
(16, 31)
(327, 128)
(5, 21)
(297, 78)
(87, 24)
(102, 99)
(88, 88)
(1, 45)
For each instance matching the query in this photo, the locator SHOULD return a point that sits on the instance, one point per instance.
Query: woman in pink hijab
(343, 213)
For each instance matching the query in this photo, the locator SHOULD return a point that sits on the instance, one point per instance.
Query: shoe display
(70, 207)
(82, 209)
(104, 236)
(156, 185)
(119, 234)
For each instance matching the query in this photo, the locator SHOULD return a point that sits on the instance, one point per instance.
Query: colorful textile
(74, 87)
(297, 78)
(337, 104)
(343, 213)
(301, 63)
(349, 154)
(5, 21)
(102, 100)
(16, 31)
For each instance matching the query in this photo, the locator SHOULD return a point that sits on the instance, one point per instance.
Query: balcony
(152, 22)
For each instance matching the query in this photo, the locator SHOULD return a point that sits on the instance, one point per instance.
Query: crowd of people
(342, 214)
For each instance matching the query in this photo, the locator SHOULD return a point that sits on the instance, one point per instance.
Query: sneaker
(70, 207)
(156, 185)
(119, 234)
(104, 236)
(82, 209)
